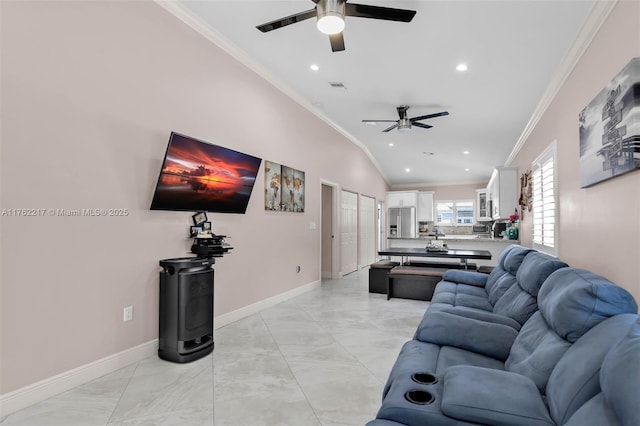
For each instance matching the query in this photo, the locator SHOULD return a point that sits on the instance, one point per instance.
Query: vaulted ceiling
(512, 48)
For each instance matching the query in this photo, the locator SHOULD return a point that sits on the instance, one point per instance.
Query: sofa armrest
(464, 311)
(465, 277)
(495, 397)
(486, 338)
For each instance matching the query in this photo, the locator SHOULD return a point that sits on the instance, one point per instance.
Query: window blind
(544, 200)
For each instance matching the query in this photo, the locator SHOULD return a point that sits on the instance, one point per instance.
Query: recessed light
(314, 67)
(429, 153)
(462, 67)
(465, 152)
(407, 170)
(466, 170)
(390, 144)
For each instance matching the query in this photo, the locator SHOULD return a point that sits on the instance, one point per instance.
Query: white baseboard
(39, 391)
(245, 311)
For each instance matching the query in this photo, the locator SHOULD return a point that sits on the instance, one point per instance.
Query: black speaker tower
(186, 309)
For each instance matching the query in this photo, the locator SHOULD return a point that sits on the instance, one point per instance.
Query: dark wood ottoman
(485, 269)
(411, 282)
(378, 275)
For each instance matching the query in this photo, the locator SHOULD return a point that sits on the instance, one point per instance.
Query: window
(543, 171)
(459, 212)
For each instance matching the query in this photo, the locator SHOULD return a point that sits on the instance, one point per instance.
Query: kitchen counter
(453, 237)
(460, 242)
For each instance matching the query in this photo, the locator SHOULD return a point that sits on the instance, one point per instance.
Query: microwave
(481, 229)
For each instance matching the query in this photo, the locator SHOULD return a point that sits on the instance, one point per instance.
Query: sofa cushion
(536, 351)
(573, 301)
(461, 299)
(465, 277)
(508, 263)
(620, 378)
(595, 412)
(576, 377)
(471, 290)
(514, 257)
(617, 404)
(450, 356)
(535, 269)
(483, 337)
(492, 397)
(477, 314)
(520, 300)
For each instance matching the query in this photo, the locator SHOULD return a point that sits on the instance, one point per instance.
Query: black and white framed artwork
(610, 129)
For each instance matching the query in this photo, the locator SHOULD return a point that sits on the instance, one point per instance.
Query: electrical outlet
(128, 313)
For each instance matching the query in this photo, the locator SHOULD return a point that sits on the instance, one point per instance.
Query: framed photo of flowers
(284, 188)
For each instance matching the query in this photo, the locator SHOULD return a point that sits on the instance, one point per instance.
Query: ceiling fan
(404, 123)
(331, 13)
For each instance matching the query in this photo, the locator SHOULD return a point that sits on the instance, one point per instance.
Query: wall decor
(526, 193)
(610, 129)
(272, 182)
(284, 188)
(199, 218)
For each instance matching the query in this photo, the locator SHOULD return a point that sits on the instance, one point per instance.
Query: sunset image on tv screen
(198, 176)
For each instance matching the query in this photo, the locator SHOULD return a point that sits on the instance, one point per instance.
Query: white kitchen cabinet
(482, 205)
(425, 206)
(402, 199)
(503, 192)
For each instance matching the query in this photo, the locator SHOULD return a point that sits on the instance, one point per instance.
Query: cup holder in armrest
(424, 378)
(419, 397)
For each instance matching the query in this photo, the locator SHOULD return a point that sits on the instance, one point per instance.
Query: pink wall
(90, 93)
(600, 225)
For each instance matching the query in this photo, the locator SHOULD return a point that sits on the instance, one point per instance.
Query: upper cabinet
(425, 206)
(503, 192)
(482, 205)
(402, 199)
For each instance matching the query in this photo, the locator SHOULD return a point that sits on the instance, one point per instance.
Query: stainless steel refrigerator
(402, 222)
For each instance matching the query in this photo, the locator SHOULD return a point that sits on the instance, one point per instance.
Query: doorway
(328, 250)
(348, 232)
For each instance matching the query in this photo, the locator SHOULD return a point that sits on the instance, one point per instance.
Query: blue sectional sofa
(506, 296)
(538, 354)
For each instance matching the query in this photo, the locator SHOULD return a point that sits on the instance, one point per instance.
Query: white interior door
(349, 232)
(367, 225)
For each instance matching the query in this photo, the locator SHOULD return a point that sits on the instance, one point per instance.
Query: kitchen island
(470, 242)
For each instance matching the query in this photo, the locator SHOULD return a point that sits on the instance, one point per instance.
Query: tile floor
(321, 358)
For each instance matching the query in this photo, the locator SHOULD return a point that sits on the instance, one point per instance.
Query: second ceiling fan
(404, 123)
(331, 14)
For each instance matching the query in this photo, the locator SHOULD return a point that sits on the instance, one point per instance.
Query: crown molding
(597, 16)
(201, 27)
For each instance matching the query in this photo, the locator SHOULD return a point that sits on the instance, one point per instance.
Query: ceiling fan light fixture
(404, 125)
(330, 16)
(330, 24)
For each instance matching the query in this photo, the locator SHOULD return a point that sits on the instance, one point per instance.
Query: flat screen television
(199, 176)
